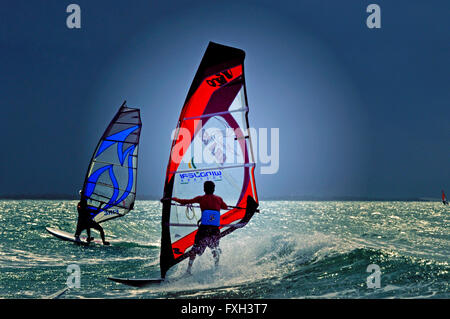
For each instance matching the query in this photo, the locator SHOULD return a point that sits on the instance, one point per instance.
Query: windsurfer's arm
(223, 205)
(187, 201)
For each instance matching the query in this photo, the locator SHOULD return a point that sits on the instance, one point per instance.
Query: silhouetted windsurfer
(444, 198)
(208, 234)
(85, 222)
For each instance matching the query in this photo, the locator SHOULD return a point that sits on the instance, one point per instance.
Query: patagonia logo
(220, 79)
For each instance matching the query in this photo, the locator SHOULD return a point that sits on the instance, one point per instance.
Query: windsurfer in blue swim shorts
(208, 233)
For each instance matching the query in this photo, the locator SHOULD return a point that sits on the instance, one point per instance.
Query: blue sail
(110, 183)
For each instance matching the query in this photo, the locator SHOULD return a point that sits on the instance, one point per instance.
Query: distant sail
(110, 183)
(215, 115)
(444, 198)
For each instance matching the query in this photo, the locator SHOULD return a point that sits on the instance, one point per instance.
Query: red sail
(214, 116)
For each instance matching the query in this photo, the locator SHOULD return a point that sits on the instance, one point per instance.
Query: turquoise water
(290, 250)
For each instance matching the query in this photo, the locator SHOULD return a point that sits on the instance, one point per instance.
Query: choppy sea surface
(291, 249)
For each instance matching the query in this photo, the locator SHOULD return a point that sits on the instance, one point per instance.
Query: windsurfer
(85, 221)
(444, 198)
(208, 234)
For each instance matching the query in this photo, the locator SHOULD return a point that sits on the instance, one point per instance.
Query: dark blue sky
(361, 112)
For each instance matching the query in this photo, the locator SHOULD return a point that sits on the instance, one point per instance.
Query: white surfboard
(57, 294)
(135, 282)
(145, 282)
(70, 237)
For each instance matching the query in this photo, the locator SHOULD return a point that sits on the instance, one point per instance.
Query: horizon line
(264, 198)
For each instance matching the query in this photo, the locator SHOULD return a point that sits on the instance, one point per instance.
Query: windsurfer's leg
(197, 249)
(102, 233)
(216, 255)
(78, 230)
(216, 252)
(191, 261)
(214, 245)
(88, 233)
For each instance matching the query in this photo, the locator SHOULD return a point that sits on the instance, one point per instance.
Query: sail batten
(212, 168)
(110, 182)
(112, 187)
(215, 114)
(114, 164)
